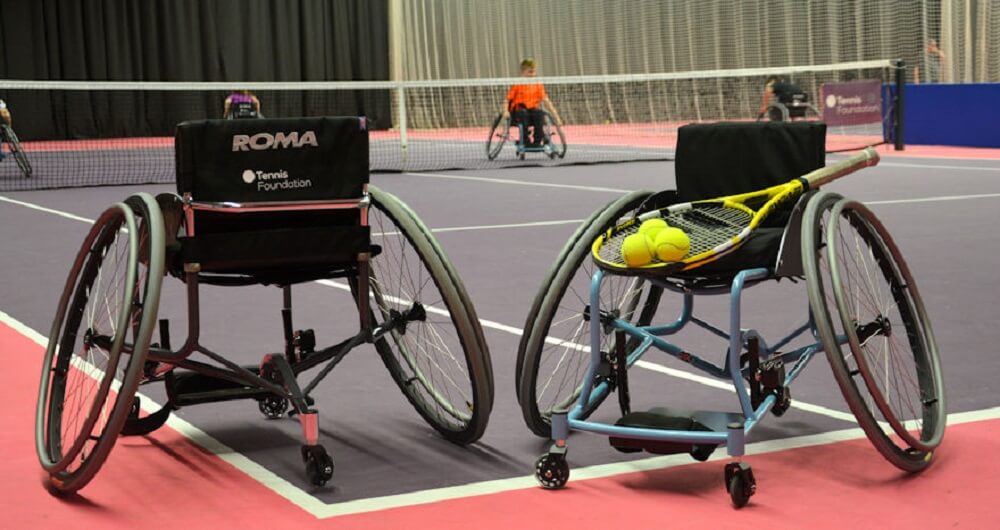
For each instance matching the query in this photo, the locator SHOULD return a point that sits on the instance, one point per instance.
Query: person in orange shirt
(524, 104)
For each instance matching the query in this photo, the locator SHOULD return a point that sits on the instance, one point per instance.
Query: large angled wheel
(555, 348)
(98, 342)
(16, 150)
(835, 244)
(554, 135)
(891, 355)
(439, 357)
(499, 134)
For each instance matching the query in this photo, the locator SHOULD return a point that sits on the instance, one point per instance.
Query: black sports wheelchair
(789, 106)
(294, 207)
(590, 325)
(14, 149)
(243, 110)
(553, 144)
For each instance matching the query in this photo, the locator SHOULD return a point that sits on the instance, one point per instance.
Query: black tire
(901, 382)
(556, 138)
(529, 324)
(456, 396)
(16, 151)
(99, 347)
(499, 134)
(571, 275)
(818, 219)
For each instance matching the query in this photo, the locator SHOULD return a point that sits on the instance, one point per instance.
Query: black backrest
(274, 160)
(285, 159)
(719, 159)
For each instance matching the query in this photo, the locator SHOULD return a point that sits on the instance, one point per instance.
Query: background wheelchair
(243, 110)
(792, 107)
(14, 149)
(500, 133)
(587, 325)
(226, 228)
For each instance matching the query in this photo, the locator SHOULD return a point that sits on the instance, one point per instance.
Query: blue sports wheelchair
(590, 324)
(274, 202)
(552, 145)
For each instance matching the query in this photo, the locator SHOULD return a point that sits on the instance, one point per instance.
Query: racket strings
(707, 227)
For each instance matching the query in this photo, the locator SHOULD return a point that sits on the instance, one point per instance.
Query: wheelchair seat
(274, 201)
(719, 159)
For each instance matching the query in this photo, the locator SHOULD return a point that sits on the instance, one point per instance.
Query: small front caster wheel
(740, 483)
(552, 471)
(319, 465)
(273, 407)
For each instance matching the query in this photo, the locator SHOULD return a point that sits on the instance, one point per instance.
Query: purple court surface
(502, 229)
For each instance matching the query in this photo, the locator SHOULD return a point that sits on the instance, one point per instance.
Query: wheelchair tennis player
(13, 145)
(524, 106)
(240, 105)
(784, 101)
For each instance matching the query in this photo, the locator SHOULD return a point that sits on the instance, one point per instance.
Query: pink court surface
(187, 475)
(842, 484)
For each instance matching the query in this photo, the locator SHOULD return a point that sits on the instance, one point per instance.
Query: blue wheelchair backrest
(272, 160)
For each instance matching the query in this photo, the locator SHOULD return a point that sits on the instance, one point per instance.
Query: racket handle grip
(824, 175)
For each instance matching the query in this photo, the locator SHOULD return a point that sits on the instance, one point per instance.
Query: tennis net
(112, 133)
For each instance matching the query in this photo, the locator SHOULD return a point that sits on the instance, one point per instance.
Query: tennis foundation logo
(274, 180)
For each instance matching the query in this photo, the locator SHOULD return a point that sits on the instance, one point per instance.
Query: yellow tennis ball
(671, 244)
(637, 250)
(651, 227)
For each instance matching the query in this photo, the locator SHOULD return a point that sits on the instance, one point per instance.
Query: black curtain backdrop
(186, 40)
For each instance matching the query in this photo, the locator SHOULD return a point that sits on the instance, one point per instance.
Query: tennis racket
(719, 226)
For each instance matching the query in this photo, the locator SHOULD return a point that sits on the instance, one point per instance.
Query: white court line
(319, 509)
(944, 198)
(512, 225)
(520, 182)
(32, 206)
(927, 166)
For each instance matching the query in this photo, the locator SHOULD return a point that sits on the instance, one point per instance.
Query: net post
(897, 107)
(401, 115)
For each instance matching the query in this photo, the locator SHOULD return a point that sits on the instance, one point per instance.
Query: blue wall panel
(952, 114)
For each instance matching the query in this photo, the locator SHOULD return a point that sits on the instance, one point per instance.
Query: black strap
(620, 365)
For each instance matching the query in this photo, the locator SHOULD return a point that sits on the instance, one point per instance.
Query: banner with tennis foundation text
(852, 103)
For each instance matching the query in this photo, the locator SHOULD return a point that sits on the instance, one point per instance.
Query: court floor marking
(520, 182)
(321, 510)
(929, 166)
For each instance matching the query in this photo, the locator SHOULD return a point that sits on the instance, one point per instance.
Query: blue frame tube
(734, 437)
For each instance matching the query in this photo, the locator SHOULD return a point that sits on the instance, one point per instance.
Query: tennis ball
(651, 227)
(671, 244)
(637, 250)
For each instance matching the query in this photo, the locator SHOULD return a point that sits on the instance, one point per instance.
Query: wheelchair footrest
(191, 388)
(666, 419)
